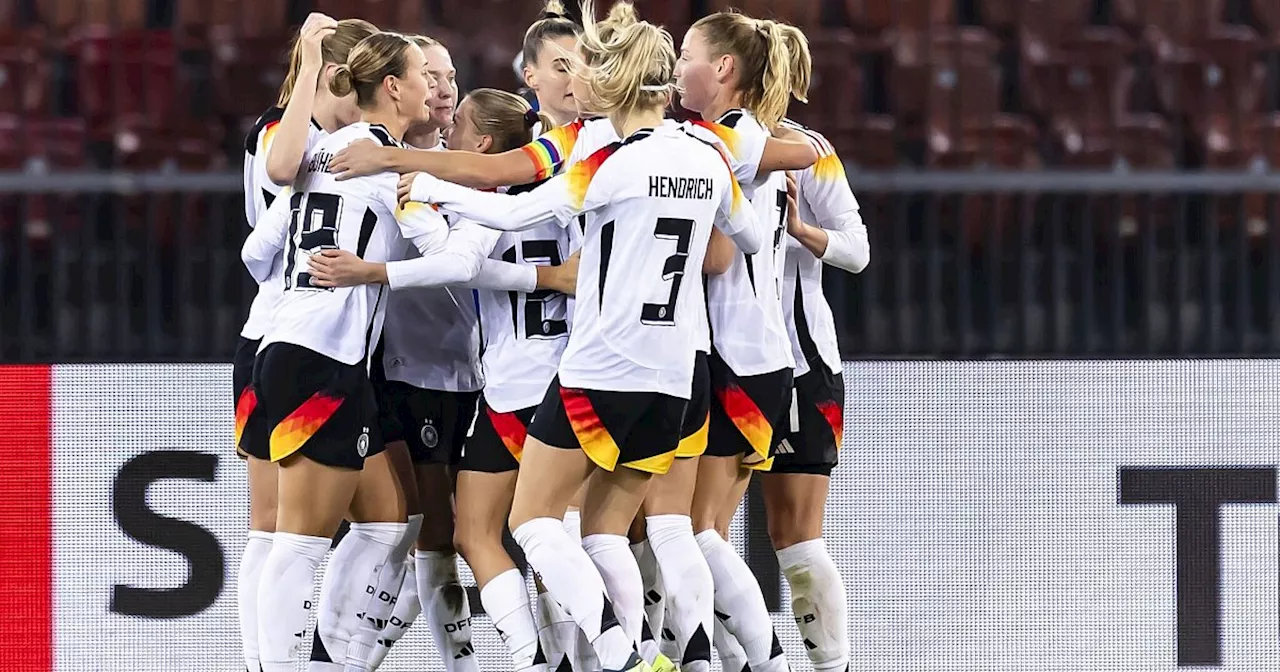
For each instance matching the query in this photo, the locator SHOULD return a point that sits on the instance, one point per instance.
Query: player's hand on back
(358, 159)
(340, 268)
(317, 27)
(562, 278)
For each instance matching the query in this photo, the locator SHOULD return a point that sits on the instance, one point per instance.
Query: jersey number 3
(673, 269)
(536, 324)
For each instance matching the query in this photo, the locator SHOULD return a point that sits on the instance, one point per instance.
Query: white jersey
(259, 193)
(648, 221)
(743, 155)
(745, 302)
(825, 201)
(524, 334)
(430, 339)
(360, 216)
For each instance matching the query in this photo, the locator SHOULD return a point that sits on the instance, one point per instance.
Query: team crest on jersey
(429, 435)
(362, 443)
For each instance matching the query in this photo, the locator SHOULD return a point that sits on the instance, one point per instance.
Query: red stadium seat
(918, 66)
(836, 91)
(898, 16)
(128, 73)
(24, 71)
(1216, 91)
(964, 124)
(58, 143)
(1268, 14)
(247, 73)
(869, 141)
(1172, 27)
(11, 144)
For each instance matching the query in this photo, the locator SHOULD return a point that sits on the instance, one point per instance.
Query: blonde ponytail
(801, 62)
(772, 61)
(629, 63)
(770, 103)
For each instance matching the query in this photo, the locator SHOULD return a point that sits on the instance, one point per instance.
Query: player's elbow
(281, 173)
(471, 264)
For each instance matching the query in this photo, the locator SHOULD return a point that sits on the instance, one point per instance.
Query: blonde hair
(629, 63)
(505, 117)
(801, 61)
(333, 49)
(772, 60)
(553, 22)
(372, 60)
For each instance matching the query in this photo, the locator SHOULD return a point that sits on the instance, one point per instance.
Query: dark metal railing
(129, 267)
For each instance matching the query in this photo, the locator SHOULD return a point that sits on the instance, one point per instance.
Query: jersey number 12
(536, 325)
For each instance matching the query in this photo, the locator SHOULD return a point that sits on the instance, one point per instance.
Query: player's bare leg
(484, 502)
(795, 504)
(359, 591)
(609, 505)
(312, 501)
(548, 479)
(685, 575)
(722, 482)
(407, 606)
(262, 524)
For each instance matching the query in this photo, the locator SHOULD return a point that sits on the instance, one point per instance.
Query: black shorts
(640, 430)
(497, 441)
(816, 427)
(697, 415)
(433, 423)
(317, 407)
(252, 439)
(748, 414)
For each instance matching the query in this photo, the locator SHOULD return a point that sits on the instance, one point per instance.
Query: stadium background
(1071, 205)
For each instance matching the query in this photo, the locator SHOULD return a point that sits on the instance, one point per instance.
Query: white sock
(402, 618)
(732, 657)
(256, 548)
(573, 580)
(572, 524)
(381, 585)
(407, 605)
(563, 642)
(611, 555)
(284, 598)
(342, 595)
(654, 604)
(506, 600)
(690, 591)
(737, 595)
(818, 603)
(444, 601)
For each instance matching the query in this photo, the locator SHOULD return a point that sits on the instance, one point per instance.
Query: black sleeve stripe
(821, 141)
(366, 232)
(522, 188)
(383, 136)
(268, 198)
(251, 141)
(606, 252)
(751, 273)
